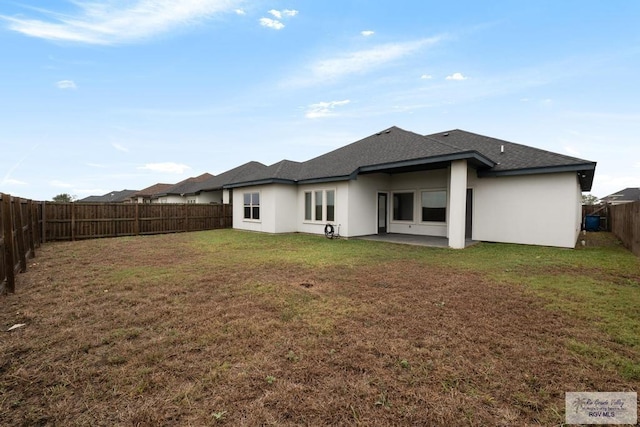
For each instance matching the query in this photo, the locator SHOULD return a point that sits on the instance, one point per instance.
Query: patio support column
(457, 204)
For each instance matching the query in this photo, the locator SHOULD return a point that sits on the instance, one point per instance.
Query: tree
(64, 198)
(589, 199)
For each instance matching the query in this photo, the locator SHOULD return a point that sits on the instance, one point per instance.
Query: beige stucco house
(453, 184)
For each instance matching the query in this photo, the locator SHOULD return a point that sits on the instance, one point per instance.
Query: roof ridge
(429, 137)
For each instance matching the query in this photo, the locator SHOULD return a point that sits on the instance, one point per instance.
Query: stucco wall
(363, 203)
(531, 209)
(170, 199)
(209, 197)
(284, 199)
(416, 182)
(341, 208)
(277, 209)
(535, 209)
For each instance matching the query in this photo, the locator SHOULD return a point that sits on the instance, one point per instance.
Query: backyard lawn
(235, 328)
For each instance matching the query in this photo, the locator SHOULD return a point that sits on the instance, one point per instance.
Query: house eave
(260, 182)
(327, 179)
(473, 157)
(585, 172)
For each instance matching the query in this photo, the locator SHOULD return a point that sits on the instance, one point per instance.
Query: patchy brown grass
(164, 331)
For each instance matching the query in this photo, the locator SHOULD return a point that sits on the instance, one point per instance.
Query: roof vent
(387, 131)
(501, 149)
(445, 134)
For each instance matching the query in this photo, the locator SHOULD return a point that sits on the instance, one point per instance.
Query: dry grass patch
(240, 329)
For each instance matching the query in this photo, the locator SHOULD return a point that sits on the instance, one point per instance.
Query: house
(205, 188)
(146, 195)
(453, 184)
(185, 191)
(212, 190)
(123, 196)
(627, 195)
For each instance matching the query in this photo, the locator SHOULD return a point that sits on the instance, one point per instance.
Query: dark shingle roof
(626, 195)
(517, 159)
(507, 155)
(236, 174)
(111, 197)
(188, 186)
(285, 171)
(390, 146)
(154, 189)
(398, 150)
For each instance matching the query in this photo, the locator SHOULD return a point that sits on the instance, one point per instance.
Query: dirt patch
(150, 331)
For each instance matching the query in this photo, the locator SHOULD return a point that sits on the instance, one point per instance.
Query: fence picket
(8, 244)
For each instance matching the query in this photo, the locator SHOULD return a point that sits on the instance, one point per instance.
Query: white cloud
(361, 61)
(426, 77)
(114, 21)
(367, 33)
(456, 76)
(66, 84)
(276, 24)
(168, 167)
(324, 109)
(120, 147)
(271, 23)
(240, 12)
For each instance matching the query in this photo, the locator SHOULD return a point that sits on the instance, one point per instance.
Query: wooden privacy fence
(74, 221)
(19, 237)
(25, 224)
(625, 224)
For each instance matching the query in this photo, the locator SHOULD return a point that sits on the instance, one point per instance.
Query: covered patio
(413, 239)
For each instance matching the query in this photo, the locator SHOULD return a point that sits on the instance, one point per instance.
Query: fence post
(43, 229)
(73, 223)
(186, 217)
(8, 242)
(19, 226)
(136, 225)
(30, 231)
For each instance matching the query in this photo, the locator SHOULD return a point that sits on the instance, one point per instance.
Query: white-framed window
(251, 205)
(320, 205)
(434, 205)
(403, 206)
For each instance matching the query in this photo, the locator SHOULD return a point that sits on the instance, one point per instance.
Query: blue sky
(124, 94)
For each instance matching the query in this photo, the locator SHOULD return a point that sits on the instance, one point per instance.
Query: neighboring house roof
(111, 197)
(154, 189)
(188, 186)
(623, 196)
(236, 174)
(398, 150)
(285, 171)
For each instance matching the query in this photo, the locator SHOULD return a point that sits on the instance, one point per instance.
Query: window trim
(311, 217)
(413, 210)
(446, 205)
(251, 207)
